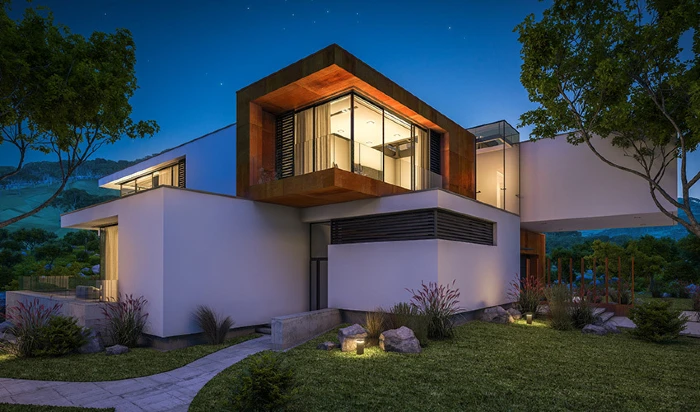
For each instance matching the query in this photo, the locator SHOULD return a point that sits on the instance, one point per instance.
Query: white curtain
(111, 262)
(324, 138)
(303, 142)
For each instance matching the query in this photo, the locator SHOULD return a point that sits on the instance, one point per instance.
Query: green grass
(489, 367)
(7, 407)
(100, 367)
(676, 303)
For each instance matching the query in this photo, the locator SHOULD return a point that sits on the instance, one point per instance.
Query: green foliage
(581, 313)
(266, 384)
(439, 304)
(559, 300)
(617, 70)
(126, 319)
(527, 294)
(60, 336)
(657, 322)
(214, 326)
(49, 251)
(31, 238)
(405, 314)
(29, 320)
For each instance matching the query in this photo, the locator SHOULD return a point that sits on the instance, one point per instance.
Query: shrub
(696, 299)
(214, 326)
(405, 314)
(60, 336)
(375, 323)
(657, 322)
(28, 319)
(125, 319)
(581, 312)
(438, 303)
(559, 299)
(527, 294)
(678, 289)
(266, 384)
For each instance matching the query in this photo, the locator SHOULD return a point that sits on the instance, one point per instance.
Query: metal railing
(80, 288)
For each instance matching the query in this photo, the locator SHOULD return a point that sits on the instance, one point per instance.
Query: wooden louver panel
(181, 174)
(412, 225)
(284, 146)
(435, 155)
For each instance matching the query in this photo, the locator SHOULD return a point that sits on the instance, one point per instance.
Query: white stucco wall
(365, 276)
(210, 163)
(572, 189)
(180, 249)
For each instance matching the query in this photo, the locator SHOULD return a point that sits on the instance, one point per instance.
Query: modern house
(338, 188)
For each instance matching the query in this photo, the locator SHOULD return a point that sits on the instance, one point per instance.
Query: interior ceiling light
(341, 131)
(368, 142)
(370, 121)
(397, 135)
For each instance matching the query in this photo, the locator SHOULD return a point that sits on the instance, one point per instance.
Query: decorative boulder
(96, 269)
(116, 350)
(4, 326)
(497, 315)
(326, 346)
(93, 345)
(594, 329)
(515, 313)
(610, 328)
(348, 336)
(401, 340)
(8, 337)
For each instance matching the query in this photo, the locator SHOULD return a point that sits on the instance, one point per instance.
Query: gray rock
(348, 336)
(610, 328)
(96, 269)
(515, 313)
(93, 345)
(8, 337)
(116, 350)
(401, 340)
(326, 346)
(497, 315)
(594, 329)
(4, 326)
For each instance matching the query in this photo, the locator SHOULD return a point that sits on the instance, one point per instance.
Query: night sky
(461, 57)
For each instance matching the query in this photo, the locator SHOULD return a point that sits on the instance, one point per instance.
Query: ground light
(360, 346)
(528, 317)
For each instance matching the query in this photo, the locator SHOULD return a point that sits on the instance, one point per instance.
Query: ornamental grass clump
(405, 314)
(656, 322)
(559, 300)
(214, 326)
(527, 294)
(582, 312)
(438, 303)
(28, 320)
(375, 324)
(126, 319)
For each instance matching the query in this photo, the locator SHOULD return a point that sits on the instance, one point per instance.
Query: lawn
(492, 367)
(100, 367)
(676, 303)
(7, 407)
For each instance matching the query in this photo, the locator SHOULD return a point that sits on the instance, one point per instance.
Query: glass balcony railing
(331, 151)
(87, 289)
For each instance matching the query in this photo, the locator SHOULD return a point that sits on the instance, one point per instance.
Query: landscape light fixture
(528, 317)
(360, 344)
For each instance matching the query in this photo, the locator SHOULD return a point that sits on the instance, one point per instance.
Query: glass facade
(498, 165)
(351, 133)
(167, 176)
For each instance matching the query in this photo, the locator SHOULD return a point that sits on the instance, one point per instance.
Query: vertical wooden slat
(549, 272)
(571, 275)
(582, 286)
(559, 271)
(527, 269)
(537, 268)
(606, 280)
(595, 281)
(619, 280)
(633, 280)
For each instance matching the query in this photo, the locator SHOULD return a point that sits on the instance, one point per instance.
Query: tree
(31, 238)
(80, 238)
(63, 94)
(616, 69)
(51, 250)
(72, 199)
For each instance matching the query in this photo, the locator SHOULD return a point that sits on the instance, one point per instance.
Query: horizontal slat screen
(412, 225)
(284, 145)
(435, 155)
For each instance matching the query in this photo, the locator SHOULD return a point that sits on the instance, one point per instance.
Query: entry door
(318, 269)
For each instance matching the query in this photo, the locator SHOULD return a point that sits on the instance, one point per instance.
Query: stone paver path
(167, 391)
(692, 328)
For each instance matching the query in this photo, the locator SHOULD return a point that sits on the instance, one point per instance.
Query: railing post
(549, 272)
(595, 281)
(583, 280)
(527, 270)
(619, 280)
(559, 271)
(538, 272)
(606, 280)
(633, 280)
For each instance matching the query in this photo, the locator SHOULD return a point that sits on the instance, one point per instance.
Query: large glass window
(498, 165)
(167, 176)
(354, 134)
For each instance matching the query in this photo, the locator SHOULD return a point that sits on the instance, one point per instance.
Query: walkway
(692, 327)
(167, 391)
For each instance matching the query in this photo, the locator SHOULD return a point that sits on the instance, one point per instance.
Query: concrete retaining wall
(291, 330)
(88, 313)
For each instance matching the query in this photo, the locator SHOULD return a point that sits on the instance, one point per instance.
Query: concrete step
(265, 330)
(605, 316)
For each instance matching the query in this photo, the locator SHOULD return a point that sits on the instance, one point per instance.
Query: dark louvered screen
(435, 155)
(181, 174)
(462, 228)
(412, 225)
(284, 146)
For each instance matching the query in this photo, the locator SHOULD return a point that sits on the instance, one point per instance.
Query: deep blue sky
(461, 57)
